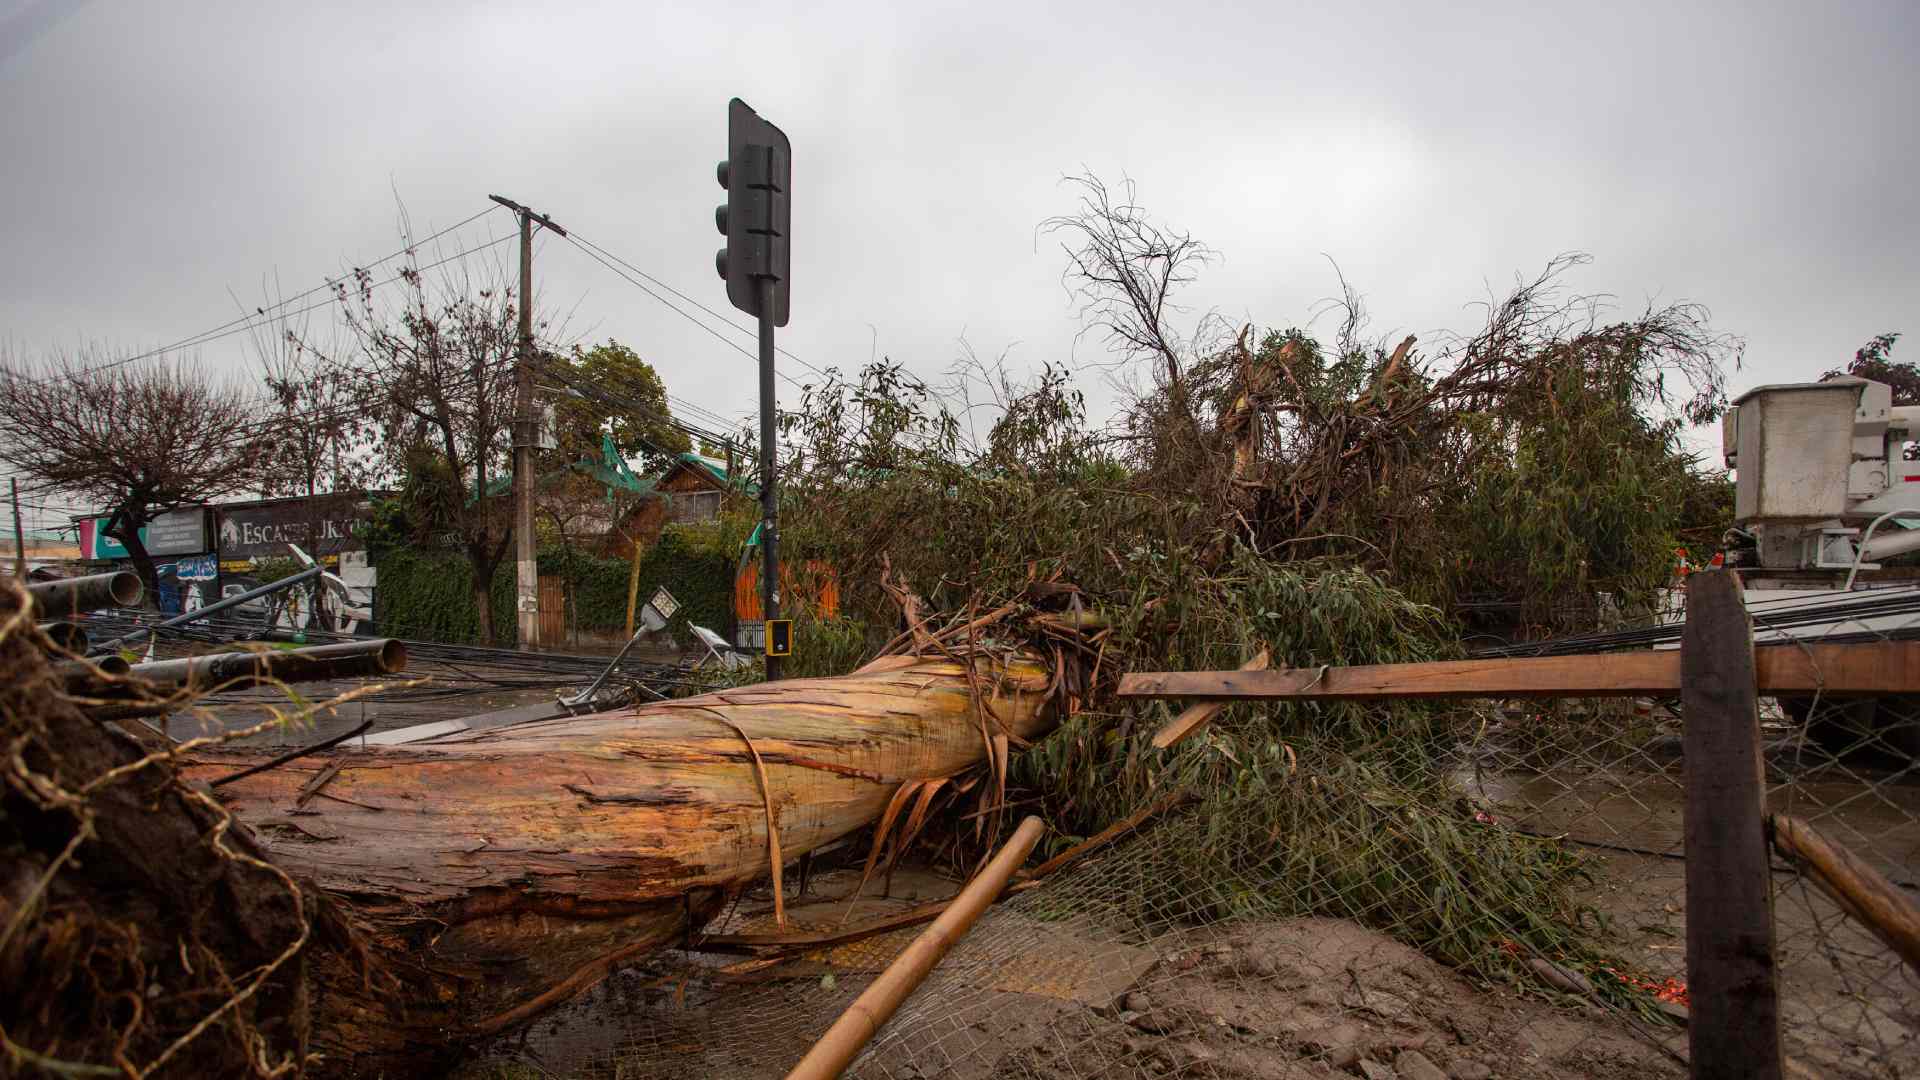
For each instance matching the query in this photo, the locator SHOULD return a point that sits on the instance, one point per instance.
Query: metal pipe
(381, 656)
(585, 697)
(769, 477)
(66, 636)
(877, 1004)
(71, 596)
(1888, 548)
(165, 679)
(197, 614)
(81, 677)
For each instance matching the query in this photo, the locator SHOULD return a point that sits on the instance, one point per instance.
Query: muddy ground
(1044, 990)
(1265, 1001)
(1276, 1000)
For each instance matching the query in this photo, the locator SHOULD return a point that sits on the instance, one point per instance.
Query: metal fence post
(1734, 1031)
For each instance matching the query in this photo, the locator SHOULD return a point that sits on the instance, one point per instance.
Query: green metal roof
(716, 470)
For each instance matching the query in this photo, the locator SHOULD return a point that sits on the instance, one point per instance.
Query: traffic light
(757, 214)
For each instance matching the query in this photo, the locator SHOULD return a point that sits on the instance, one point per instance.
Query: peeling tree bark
(480, 880)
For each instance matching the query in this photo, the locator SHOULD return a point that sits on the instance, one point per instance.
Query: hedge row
(427, 594)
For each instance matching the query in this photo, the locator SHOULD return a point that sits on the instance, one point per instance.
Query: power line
(47, 380)
(700, 410)
(341, 410)
(587, 389)
(747, 330)
(670, 305)
(216, 334)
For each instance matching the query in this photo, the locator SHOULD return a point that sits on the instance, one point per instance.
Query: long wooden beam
(1883, 667)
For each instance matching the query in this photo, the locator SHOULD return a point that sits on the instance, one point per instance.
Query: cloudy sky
(161, 160)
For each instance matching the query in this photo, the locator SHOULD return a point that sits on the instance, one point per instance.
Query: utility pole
(526, 565)
(19, 538)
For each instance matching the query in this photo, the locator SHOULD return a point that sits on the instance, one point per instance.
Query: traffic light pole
(756, 265)
(769, 497)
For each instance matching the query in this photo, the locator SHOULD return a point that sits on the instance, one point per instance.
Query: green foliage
(620, 371)
(724, 534)
(1874, 361)
(387, 525)
(1381, 496)
(1582, 503)
(823, 647)
(267, 571)
(426, 594)
(699, 577)
(1097, 770)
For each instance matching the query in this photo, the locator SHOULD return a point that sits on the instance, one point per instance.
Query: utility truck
(1826, 488)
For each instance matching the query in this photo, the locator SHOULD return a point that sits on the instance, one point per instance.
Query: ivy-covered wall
(426, 594)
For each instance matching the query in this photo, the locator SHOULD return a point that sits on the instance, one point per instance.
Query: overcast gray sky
(1759, 158)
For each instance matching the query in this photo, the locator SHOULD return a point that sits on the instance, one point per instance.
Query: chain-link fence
(1848, 766)
(1501, 894)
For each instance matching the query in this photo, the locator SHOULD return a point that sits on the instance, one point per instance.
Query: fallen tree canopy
(362, 912)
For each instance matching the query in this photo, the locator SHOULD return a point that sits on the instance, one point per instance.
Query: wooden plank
(1734, 1029)
(1881, 667)
(1197, 716)
(416, 733)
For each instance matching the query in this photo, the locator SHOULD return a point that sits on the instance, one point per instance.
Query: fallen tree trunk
(484, 878)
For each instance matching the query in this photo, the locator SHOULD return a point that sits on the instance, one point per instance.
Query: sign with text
(176, 532)
(323, 526)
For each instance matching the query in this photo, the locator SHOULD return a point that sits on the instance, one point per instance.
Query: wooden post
(1734, 1031)
(877, 1004)
(1194, 717)
(633, 586)
(1854, 885)
(19, 537)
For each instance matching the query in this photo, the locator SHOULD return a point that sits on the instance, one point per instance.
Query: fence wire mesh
(1502, 896)
(1849, 767)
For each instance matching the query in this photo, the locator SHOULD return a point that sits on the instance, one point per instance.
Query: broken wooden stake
(877, 1004)
(1858, 889)
(1195, 717)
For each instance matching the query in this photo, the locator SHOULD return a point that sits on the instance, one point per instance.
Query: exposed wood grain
(1871, 668)
(1734, 1029)
(505, 870)
(1859, 889)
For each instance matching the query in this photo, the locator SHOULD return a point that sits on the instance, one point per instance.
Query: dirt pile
(1319, 998)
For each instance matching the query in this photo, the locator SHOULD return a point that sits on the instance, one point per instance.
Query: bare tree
(139, 438)
(316, 407)
(433, 374)
(1123, 268)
